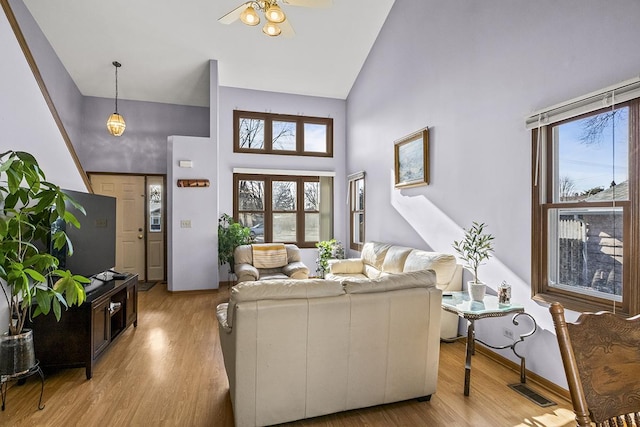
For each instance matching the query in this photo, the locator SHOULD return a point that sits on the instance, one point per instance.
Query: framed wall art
(412, 159)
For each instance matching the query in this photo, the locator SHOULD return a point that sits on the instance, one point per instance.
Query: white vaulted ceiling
(165, 47)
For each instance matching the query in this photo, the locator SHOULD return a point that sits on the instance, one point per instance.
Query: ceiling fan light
(271, 29)
(275, 14)
(116, 124)
(250, 16)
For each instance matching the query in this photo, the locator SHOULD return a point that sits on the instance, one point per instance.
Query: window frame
(542, 203)
(268, 119)
(268, 211)
(356, 246)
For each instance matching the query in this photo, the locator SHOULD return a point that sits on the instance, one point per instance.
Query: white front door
(129, 191)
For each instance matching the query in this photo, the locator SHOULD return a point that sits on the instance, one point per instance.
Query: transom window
(286, 208)
(586, 201)
(268, 133)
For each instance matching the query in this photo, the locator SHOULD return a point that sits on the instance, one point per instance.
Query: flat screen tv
(94, 243)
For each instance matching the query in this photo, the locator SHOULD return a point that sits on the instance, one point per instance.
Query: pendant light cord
(117, 65)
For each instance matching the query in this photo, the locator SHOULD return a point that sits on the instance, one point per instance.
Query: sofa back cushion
(281, 290)
(373, 254)
(395, 258)
(391, 282)
(443, 264)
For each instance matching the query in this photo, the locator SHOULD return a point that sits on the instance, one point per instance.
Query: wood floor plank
(169, 372)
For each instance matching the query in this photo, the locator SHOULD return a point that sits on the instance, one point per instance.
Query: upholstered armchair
(264, 261)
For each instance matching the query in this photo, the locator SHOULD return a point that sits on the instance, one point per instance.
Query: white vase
(476, 290)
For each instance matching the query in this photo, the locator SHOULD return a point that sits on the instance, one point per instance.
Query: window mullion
(634, 214)
(300, 136)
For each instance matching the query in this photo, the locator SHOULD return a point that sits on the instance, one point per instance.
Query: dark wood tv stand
(84, 333)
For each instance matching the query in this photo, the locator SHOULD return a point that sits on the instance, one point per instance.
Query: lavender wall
(27, 124)
(472, 73)
(280, 103)
(143, 146)
(63, 91)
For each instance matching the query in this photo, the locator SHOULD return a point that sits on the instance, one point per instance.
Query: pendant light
(115, 122)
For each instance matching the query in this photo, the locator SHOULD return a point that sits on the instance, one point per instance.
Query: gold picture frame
(411, 164)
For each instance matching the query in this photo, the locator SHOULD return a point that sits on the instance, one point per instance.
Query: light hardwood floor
(169, 372)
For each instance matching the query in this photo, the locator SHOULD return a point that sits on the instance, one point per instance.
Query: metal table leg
(471, 349)
(512, 346)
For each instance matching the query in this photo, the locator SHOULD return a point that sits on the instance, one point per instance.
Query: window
(586, 207)
(155, 208)
(284, 208)
(356, 209)
(282, 134)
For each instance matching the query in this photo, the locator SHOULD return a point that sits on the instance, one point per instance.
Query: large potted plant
(31, 210)
(474, 249)
(231, 234)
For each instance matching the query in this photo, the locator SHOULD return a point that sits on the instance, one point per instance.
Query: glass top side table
(459, 303)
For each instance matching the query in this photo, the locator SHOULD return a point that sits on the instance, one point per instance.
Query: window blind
(619, 93)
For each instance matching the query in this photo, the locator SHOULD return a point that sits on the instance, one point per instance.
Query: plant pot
(16, 353)
(477, 291)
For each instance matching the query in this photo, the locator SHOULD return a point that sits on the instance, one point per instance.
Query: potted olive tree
(475, 248)
(30, 208)
(231, 234)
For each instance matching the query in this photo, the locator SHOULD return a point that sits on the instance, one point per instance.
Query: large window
(282, 134)
(284, 208)
(586, 206)
(356, 209)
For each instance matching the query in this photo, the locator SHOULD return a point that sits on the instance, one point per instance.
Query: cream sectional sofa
(295, 349)
(381, 259)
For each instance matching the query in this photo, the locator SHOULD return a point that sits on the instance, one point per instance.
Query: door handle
(140, 236)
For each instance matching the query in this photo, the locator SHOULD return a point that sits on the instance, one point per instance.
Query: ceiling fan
(276, 21)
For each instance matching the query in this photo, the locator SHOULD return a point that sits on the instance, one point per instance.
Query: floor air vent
(532, 395)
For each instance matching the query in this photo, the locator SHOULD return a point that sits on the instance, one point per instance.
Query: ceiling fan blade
(287, 29)
(309, 3)
(234, 15)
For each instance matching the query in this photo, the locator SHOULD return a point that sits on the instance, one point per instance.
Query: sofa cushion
(346, 266)
(272, 275)
(443, 264)
(243, 255)
(343, 276)
(269, 255)
(394, 259)
(391, 282)
(293, 253)
(281, 289)
(373, 253)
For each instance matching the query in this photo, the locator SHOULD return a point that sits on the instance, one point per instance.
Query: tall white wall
(192, 250)
(192, 258)
(472, 72)
(25, 118)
